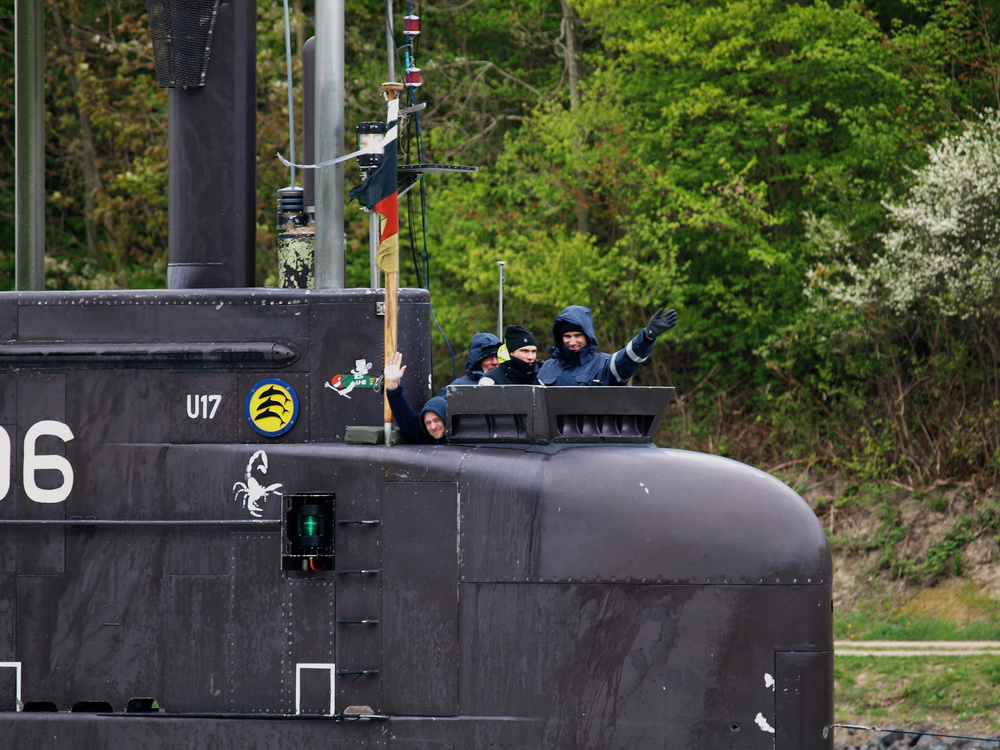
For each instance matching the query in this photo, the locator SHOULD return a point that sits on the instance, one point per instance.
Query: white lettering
(34, 463)
(197, 406)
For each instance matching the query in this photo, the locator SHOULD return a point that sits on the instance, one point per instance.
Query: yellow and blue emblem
(272, 407)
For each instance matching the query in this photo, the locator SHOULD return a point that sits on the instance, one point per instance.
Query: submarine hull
(176, 569)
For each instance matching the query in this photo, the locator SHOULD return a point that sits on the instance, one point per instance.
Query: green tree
(7, 147)
(706, 137)
(935, 287)
(702, 154)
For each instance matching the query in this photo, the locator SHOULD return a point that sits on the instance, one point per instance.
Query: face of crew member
(488, 363)
(526, 354)
(434, 425)
(574, 340)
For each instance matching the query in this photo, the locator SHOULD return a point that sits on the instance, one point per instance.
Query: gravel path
(915, 648)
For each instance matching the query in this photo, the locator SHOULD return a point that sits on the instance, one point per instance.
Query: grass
(919, 567)
(864, 627)
(940, 693)
(947, 694)
(956, 610)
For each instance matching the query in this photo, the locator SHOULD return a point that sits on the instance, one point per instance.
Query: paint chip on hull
(762, 723)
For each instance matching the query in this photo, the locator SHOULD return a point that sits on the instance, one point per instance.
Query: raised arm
(394, 371)
(407, 418)
(626, 362)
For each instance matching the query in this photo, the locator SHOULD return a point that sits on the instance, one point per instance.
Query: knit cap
(515, 337)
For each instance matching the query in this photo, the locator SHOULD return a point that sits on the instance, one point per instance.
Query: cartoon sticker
(272, 407)
(252, 492)
(357, 378)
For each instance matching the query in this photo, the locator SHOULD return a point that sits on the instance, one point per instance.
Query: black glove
(660, 322)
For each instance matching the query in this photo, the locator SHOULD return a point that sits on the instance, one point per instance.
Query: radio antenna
(291, 104)
(500, 303)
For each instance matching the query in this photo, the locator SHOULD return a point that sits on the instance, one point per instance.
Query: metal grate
(562, 414)
(181, 31)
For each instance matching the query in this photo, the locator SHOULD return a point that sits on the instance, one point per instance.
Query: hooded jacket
(589, 366)
(481, 346)
(411, 424)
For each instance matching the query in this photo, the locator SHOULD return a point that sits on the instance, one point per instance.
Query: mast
(29, 149)
(328, 120)
(391, 91)
(212, 137)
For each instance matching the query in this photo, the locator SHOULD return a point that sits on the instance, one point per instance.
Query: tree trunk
(87, 155)
(573, 76)
(300, 28)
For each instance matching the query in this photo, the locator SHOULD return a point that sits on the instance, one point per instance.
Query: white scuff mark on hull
(762, 723)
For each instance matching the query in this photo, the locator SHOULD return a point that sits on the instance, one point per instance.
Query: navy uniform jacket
(481, 344)
(589, 366)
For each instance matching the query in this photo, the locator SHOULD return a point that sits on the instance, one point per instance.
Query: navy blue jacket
(482, 344)
(589, 366)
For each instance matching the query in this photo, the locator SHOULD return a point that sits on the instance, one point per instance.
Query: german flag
(380, 193)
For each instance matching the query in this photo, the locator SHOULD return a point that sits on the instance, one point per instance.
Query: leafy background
(813, 185)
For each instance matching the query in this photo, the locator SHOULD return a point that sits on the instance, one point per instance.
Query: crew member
(426, 428)
(576, 361)
(522, 367)
(482, 358)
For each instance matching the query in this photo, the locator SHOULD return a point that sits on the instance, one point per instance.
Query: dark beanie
(515, 337)
(564, 326)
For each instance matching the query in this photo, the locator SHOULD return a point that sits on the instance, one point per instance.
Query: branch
(482, 132)
(486, 64)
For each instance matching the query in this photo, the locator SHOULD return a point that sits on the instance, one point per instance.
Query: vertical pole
(29, 148)
(329, 143)
(212, 141)
(391, 279)
(291, 97)
(374, 230)
(391, 312)
(500, 303)
(390, 43)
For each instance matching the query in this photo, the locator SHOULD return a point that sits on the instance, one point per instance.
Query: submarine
(206, 539)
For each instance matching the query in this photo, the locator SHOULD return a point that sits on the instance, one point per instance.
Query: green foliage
(490, 63)
(105, 149)
(952, 610)
(892, 549)
(958, 691)
(925, 306)
(943, 253)
(540, 183)
(111, 184)
(727, 159)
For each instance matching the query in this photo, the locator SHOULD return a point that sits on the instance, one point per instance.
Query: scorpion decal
(251, 492)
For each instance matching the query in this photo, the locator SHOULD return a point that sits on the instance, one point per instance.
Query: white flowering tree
(925, 308)
(943, 253)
